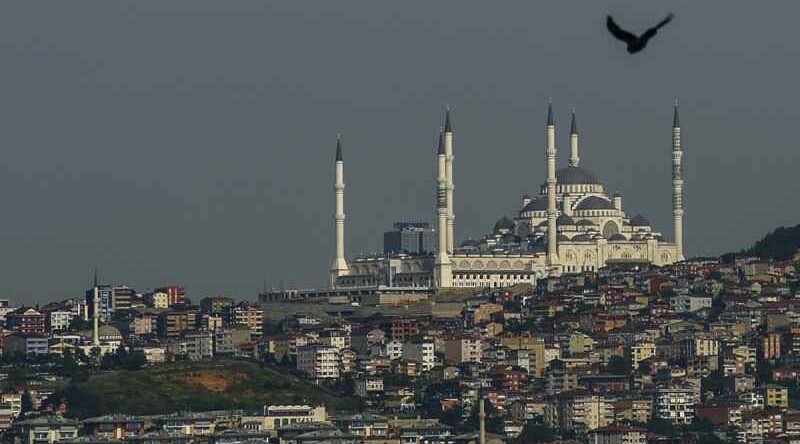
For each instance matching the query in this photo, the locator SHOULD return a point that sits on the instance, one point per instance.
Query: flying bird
(635, 44)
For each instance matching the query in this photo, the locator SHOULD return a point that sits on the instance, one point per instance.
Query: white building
(570, 226)
(675, 405)
(276, 416)
(686, 303)
(154, 355)
(319, 361)
(336, 338)
(421, 352)
(60, 320)
(199, 345)
(368, 386)
(394, 349)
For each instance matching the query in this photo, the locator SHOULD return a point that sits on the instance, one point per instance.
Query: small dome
(594, 203)
(565, 220)
(526, 197)
(505, 223)
(102, 331)
(561, 237)
(639, 221)
(637, 237)
(582, 238)
(585, 223)
(572, 175)
(618, 237)
(542, 224)
(510, 238)
(537, 204)
(470, 243)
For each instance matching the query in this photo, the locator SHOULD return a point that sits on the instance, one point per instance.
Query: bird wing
(618, 32)
(652, 31)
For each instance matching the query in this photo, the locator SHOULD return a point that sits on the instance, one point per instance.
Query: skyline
(204, 158)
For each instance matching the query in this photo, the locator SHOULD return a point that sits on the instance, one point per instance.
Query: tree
(26, 405)
(514, 306)
(533, 433)
(661, 427)
(451, 416)
(764, 371)
(617, 365)
(78, 324)
(135, 361)
(715, 382)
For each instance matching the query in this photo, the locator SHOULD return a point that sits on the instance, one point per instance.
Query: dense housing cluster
(694, 351)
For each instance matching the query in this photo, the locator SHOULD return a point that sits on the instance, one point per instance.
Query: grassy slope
(175, 387)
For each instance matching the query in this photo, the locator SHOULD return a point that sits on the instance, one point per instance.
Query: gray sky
(192, 141)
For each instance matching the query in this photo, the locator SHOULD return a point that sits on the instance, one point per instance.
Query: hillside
(193, 386)
(781, 244)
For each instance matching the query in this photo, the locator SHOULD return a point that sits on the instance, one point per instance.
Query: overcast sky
(192, 142)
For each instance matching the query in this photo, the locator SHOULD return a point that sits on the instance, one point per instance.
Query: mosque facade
(570, 226)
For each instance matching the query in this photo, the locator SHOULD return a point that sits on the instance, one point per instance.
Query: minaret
(574, 158)
(481, 421)
(552, 212)
(443, 272)
(449, 156)
(339, 267)
(96, 312)
(677, 182)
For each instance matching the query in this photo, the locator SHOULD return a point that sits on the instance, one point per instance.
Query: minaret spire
(443, 271)
(481, 420)
(552, 212)
(96, 312)
(677, 183)
(676, 121)
(339, 267)
(449, 158)
(574, 158)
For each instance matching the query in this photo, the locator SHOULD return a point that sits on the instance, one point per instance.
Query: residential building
(26, 320)
(463, 349)
(318, 361)
(675, 405)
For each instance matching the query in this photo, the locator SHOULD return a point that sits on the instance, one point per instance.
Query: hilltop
(193, 386)
(781, 244)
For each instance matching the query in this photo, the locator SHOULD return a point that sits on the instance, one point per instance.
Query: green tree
(533, 433)
(78, 324)
(715, 382)
(661, 427)
(451, 416)
(18, 376)
(617, 365)
(26, 405)
(764, 371)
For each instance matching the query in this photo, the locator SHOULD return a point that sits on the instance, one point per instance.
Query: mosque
(570, 226)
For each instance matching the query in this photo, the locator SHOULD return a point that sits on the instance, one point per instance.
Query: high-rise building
(26, 320)
(318, 361)
(110, 299)
(176, 295)
(410, 238)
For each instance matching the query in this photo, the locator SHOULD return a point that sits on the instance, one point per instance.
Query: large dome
(573, 175)
(537, 204)
(594, 203)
